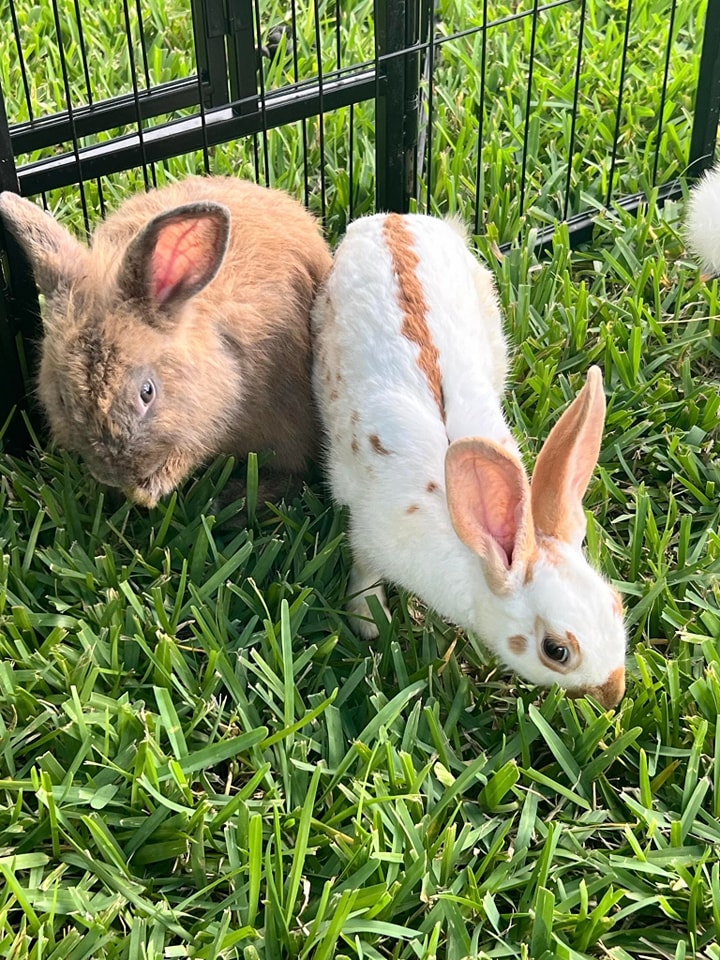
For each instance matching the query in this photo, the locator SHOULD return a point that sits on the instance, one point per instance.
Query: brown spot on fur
(354, 445)
(572, 642)
(431, 487)
(338, 378)
(355, 417)
(531, 565)
(518, 644)
(412, 302)
(617, 602)
(333, 394)
(612, 691)
(413, 508)
(550, 549)
(377, 445)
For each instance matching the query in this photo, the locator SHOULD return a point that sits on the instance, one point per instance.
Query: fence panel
(517, 115)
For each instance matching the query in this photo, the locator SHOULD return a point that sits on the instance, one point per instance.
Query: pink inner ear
(488, 500)
(184, 254)
(497, 512)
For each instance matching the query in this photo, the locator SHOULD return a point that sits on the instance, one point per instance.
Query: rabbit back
(410, 352)
(409, 355)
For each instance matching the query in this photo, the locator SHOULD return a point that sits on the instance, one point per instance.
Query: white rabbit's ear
(489, 501)
(566, 462)
(176, 255)
(55, 256)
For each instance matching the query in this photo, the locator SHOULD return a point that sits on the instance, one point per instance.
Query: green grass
(199, 759)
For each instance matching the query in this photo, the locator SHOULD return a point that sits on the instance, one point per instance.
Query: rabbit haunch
(181, 333)
(410, 362)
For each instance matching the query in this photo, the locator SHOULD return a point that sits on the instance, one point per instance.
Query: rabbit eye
(555, 651)
(147, 391)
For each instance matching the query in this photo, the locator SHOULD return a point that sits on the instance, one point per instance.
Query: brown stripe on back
(412, 302)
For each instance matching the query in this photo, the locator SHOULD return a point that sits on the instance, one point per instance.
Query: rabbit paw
(362, 585)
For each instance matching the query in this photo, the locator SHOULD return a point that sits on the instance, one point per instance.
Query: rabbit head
(120, 382)
(548, 614)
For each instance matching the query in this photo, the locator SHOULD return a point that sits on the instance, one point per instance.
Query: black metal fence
(451, 104)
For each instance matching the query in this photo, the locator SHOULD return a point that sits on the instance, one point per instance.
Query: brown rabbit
(181, 333)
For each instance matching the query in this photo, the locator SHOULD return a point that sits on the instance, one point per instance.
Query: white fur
(703, 220)
(367, 382)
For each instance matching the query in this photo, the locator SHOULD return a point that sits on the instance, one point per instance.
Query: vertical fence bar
(707, 102)
(19, 308)
(663, 95)
(209, 30)
(479, 172)
(396, 104)
(243, 56)
(528, 105)
(619, 107)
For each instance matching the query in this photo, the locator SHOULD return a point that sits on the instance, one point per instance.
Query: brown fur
(232, 363)
(518, 644)
(611, 692)
(617, 602)
(412, 302)
(377, 446)
(432, 487)
(413, 508)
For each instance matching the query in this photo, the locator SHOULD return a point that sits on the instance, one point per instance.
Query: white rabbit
(409, 367)
(703, 220)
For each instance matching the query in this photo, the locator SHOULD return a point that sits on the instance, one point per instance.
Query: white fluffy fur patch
(703, 220)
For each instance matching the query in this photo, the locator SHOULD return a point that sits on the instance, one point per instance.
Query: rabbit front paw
(363, 584)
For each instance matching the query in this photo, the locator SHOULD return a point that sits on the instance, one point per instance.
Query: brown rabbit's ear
(176, 254)
(566, 462)
(55, 256)
(489, 501)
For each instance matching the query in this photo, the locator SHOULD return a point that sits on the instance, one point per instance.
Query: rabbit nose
(110, 444)
(102, 473)
(105, 467)
(610, 693)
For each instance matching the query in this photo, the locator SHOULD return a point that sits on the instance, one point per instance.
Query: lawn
(199, 759)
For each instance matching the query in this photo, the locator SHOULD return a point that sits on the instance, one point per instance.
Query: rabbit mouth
(143, 496)
(125, 477)
(107, 475)
(146, 490)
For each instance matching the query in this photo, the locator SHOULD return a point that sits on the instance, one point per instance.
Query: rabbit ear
(176, 254)
(55, 256)
(566, 462)
(489, 501)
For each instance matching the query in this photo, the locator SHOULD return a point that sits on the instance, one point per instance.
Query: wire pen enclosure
(444, 106)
